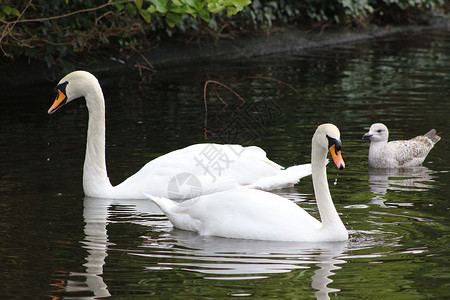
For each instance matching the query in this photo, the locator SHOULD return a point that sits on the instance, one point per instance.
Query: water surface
(56, 243)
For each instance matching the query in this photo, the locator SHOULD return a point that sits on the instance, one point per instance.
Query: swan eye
(380, 130)
(62, 87)
(337, 143)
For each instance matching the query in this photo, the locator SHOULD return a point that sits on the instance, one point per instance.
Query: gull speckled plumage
(398, 154)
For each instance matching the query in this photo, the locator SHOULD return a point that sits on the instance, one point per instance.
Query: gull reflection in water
(216, 258)
(410, 179)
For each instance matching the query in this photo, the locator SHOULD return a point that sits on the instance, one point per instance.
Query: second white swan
(253, 214)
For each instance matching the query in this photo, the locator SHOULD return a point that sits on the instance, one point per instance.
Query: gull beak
(60, 100)
(366, 135)
(337, 157)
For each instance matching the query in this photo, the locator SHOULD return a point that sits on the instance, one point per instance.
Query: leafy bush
(267, 12)
(52, 30)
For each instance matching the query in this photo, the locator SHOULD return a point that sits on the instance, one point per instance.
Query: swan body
(398, 154)
(180, 174)
(254, 214)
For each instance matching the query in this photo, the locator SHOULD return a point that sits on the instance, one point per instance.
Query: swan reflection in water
(95, 214)
(416, 179)
(237, 259)
(216, 258)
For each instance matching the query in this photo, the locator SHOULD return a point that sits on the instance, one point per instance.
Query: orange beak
(59, 101)
(337, 157)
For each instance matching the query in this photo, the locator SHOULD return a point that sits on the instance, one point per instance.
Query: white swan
(254, 214)
(398, 154)
(181, 174)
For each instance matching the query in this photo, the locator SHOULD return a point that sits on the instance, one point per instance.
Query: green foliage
(263, 12)
(173, 10)
(54, 30)
(267, 12)
(8, 11)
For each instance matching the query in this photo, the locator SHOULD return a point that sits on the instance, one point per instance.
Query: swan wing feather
(233, 166)
(242, 213)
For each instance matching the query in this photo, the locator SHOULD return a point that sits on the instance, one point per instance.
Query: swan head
(378, 132)
(329, 137)
(73, 86)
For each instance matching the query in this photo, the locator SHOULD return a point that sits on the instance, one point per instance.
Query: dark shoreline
(172, 53)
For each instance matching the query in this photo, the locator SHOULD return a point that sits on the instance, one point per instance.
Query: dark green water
(56, 243)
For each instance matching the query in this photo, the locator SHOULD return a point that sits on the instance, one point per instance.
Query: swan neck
(327, 210)
(95, 177)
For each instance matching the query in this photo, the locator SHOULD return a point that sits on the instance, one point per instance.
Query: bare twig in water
(149, 66)
(213, 82)
(220, 98)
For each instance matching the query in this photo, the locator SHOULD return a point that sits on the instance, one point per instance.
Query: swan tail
(286, 178)
(164, 204)
(299, 171)
(178, 213)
